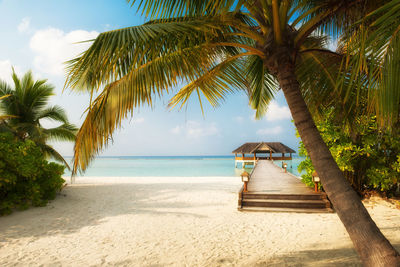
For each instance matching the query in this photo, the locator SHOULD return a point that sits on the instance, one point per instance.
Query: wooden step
(269, 209)
(279, 203)
(270, 189)
(254, 195)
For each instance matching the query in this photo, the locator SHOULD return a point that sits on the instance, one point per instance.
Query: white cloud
(176, 130)
(238, 119)
(24, 25)
(276, 112)
(6, 71)
(194, 129)
(270, 131)
(138, 120)
(52, 47)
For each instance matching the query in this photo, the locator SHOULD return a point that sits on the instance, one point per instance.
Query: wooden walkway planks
(270, 179)
(271, 189)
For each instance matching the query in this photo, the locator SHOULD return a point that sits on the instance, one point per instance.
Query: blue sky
(40, 35)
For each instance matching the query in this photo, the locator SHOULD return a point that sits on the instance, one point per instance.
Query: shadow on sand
(66, 214)
(326, 258)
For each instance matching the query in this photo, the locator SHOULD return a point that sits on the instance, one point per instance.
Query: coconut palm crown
(25, 106)
(218, 47)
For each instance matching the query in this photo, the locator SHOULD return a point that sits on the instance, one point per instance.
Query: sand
(174, 221)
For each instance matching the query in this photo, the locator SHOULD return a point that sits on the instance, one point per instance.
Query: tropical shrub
(368, 156)
(26, 177)
(23, 108)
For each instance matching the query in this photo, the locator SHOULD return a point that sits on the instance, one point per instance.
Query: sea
(169, 166)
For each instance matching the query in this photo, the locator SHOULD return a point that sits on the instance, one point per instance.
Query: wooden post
(235, 160)
(283, 156)
(316, 187)
(245, 187)
(270, 155)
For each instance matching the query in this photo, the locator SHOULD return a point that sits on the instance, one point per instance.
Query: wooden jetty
(270, 188)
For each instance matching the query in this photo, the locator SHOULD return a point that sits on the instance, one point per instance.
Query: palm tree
(218, 47)
(25, 107)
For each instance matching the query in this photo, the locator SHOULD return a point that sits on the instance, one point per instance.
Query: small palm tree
(24, 107)
(218, 47)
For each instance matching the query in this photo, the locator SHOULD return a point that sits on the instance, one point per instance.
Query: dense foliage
(23, 108)
(26, 178)
(368, 156)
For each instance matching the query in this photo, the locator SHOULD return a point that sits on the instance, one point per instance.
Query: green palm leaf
(64, 132)
(55, 113)
(52, 153)
(107, 61)
(262, 86)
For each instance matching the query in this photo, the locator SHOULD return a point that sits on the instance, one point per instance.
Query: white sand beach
(171, 221)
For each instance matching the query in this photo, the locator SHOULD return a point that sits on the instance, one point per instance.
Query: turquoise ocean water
(170, 166)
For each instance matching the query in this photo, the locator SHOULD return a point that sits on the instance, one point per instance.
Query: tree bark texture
(369, 242)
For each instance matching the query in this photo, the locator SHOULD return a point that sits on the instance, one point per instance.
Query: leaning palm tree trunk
(372, 246)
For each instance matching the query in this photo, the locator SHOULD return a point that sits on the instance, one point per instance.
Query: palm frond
(159, 9)
(262, 85)
(114, 54)
(4, 96)
(64, 132)
(119, 98)
(55, 113)
(330, 17)
(97, 129)
(319, 68)
(215, 83)
(373, 60)
(6, 117)
(388, 107)
(52, 153)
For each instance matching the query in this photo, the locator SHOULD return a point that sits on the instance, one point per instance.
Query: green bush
(26, 177)
(368, 156)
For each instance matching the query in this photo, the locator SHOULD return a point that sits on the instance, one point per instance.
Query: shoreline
(174, 221)
(148, 179)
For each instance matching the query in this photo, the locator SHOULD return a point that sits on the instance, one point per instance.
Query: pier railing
(245, 158)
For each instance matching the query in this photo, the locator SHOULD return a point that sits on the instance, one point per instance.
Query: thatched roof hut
(263, 147)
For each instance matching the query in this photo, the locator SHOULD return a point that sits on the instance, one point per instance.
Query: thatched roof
(260, 147)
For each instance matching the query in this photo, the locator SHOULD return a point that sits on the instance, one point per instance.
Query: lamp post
(285, 166)
(245, 179)
(316, 180)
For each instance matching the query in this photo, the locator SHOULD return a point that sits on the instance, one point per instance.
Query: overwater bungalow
(249, 153)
